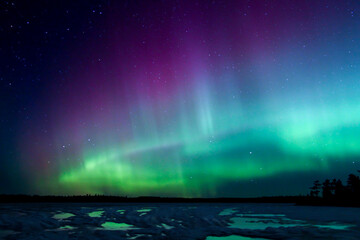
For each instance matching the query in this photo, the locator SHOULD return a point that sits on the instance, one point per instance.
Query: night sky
(178, 98)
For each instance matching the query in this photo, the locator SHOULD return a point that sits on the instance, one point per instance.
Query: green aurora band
(198, 166)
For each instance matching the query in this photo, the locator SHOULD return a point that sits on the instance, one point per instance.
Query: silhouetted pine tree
(339, 190)
(315, 189)
(326, 189)
(353, 186)
(333, 186)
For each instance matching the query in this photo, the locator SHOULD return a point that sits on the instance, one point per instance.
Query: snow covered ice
(177, 221)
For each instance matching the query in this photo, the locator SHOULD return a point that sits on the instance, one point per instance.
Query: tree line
(335, 190)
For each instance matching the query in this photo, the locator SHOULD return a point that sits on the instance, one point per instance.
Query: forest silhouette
(335, 190)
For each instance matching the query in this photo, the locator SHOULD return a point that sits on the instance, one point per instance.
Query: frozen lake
(177, 221)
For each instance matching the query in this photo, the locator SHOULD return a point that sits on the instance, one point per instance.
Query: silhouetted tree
(333, 186)
(339, 189)
(326, 189)
(353, 185)
(315, 189)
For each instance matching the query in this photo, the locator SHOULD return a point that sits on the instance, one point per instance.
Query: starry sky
(178, 98)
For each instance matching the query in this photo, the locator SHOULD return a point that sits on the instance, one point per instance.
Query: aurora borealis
(178, 98)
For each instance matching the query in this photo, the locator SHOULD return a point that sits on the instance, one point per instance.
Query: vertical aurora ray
(216, 94)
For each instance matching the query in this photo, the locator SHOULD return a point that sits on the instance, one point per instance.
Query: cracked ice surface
(177, 221)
